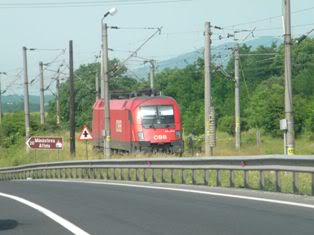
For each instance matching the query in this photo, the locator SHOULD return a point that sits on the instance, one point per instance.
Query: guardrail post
(137, 178)
(163, 176)
(295, 182)
(231, 178)
(81, 173)
(172, 181)
(120, 174)
(206, 177)
(261, 180)
(66, 173)
(113, 174)
(145, 174)
(277, 181)
(107, 173)
(183, 177)
(193, 176)
(246, 179)
(128, 174)
(101, 173)
(218, 178)
(89, 174)
(153, 175)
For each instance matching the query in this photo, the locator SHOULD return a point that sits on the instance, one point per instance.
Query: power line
(267, 18)
(85, 4)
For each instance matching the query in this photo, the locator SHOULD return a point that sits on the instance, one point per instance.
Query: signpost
(85, 135)
(45, 143)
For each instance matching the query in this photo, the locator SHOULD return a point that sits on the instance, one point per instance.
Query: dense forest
(261, 91)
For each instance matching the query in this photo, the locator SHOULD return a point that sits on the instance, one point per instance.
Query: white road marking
(304, 205)
(63, 222)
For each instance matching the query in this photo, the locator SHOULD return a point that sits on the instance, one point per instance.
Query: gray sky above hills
(25, 23)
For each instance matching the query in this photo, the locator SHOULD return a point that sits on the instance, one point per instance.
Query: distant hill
(15, 103)
(220, 55)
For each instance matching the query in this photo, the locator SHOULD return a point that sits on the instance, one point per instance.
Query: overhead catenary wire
(115, 70)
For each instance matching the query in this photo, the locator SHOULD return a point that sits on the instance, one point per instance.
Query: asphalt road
(110, 209)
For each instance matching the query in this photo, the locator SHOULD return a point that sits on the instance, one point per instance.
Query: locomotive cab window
(161, 116)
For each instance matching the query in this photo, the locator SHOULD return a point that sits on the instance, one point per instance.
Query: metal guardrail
(175, 170)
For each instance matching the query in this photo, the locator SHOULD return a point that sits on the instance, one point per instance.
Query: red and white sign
(85, 134)
(42, 142)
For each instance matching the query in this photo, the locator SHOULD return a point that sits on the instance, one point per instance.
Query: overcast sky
(46, 27)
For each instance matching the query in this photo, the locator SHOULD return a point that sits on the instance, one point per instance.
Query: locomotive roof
(132, 103)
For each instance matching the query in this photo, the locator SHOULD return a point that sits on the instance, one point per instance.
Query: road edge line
(58, 219)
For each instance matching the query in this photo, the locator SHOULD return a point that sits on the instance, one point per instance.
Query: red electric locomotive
(145, 124)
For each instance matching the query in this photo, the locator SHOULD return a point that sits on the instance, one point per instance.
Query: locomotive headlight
(178, 135)
(140, 135)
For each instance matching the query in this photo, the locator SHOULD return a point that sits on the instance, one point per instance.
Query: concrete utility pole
(151, 74)
(26, 97)
(71, 101)
(58, 99)
(42, 96)
(97, 87)
(102, 79)
(288, 89)
(104, 53)
(237, 97)
(107, 152)
(209, 111)
(1, 113)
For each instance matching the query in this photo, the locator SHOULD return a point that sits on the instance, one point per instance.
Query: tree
(265, 108)
(85, 94)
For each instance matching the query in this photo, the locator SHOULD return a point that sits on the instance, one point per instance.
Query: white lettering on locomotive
(160, 137)
(118, 125)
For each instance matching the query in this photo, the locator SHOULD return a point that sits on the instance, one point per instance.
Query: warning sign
(85, 134)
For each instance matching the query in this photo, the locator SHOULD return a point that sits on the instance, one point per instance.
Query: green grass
(17, 155)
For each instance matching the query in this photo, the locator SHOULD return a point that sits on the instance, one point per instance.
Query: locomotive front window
(157, 116)
(165, 114)
(148, 115)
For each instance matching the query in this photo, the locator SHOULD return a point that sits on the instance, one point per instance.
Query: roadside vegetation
(262, 106)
